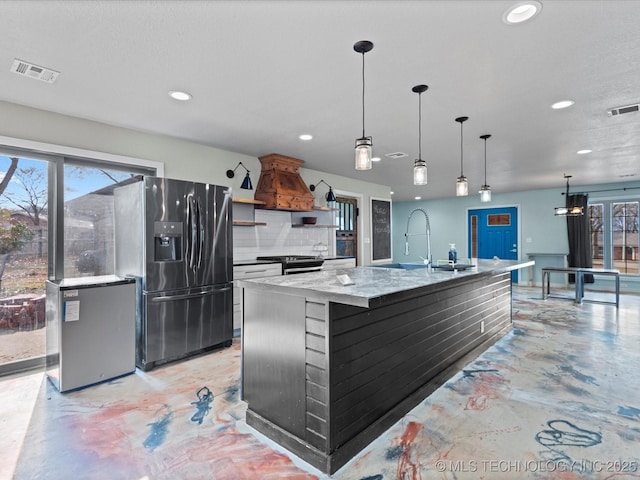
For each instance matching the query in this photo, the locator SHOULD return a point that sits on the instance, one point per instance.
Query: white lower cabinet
(337, 263)
(242, 272)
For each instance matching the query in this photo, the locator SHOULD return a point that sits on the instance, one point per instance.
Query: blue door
(493, 232)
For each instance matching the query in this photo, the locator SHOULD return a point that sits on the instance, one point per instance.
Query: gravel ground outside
(15, 345)
(24, 275)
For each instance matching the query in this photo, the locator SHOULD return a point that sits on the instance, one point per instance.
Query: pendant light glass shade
(485, 193)
(569, 211)
(420, 172)
(364, 144)
(462, 186)
(419, 165)
(485, 190)
(363, 153)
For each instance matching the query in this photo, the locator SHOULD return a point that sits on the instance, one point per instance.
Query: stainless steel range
(296, 263)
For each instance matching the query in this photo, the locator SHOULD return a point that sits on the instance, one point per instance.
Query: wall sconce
(575, 211)
(246, 183)
(330, 196)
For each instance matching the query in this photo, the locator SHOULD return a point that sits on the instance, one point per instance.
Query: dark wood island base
(324, 379)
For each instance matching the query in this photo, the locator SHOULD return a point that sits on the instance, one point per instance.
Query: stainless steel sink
(403, 266)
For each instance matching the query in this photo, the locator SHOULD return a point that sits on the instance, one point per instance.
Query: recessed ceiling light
(392, 193)
(562, 104)
(418, 198)
(178, 95)
(584, 152)
(521, 12)
(305, 136)
(375, 159)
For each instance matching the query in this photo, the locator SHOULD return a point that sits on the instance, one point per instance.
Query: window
(614, 235)
(33, 209)
(347, 227)
(498, 219)
(88, 218)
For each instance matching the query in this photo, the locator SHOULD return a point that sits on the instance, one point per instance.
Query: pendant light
(485, 190)
(462, 187)
(569, 211)
(363, 144)
(419, 165)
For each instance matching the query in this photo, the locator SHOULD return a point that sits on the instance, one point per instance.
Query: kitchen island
(327, 368)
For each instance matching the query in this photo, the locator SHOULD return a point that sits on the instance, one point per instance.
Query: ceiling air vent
(34, 71)
(396, 155)
(622, 110)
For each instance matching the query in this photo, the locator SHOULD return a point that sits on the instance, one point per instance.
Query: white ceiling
(263, 72)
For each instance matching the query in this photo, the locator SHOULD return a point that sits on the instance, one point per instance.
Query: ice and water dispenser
(167, 241)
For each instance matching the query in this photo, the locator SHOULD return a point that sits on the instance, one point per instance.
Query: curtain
(579, 236)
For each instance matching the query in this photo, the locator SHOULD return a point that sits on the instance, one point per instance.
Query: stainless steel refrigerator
(176, 237)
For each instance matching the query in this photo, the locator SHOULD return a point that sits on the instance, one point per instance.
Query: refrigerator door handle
(186, 296)
(191, 232)
(188, 242)
(200, 233)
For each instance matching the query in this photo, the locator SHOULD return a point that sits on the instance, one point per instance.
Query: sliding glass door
(24, 254)
(56, 221)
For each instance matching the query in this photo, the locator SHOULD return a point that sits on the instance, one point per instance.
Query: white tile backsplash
(278, 237)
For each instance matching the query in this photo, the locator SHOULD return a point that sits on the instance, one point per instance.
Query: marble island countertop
(374, 285)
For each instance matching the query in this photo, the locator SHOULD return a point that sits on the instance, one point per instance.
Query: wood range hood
(281, 187)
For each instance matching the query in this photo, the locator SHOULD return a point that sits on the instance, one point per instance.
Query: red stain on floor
(485, 388)
(237, 456)
(476, 403)
(409, 468)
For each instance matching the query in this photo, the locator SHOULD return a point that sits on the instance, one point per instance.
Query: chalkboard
(380, 229)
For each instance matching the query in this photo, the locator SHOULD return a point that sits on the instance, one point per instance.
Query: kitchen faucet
(428, 260)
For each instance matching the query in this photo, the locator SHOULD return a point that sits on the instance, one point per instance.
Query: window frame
(608, 231)
(57, 157)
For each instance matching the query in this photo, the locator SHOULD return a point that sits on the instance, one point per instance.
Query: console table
(579, 273)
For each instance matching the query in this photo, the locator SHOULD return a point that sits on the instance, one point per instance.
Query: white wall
(181, 159)
(280, 237)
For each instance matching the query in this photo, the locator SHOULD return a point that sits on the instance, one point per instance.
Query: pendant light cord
(420, 126)
(461, 174)
(363, 95)
(485, 161)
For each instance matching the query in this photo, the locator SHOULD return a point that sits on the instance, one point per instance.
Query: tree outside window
(614, 235)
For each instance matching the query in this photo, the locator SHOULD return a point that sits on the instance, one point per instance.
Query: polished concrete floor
(556, 398)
